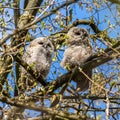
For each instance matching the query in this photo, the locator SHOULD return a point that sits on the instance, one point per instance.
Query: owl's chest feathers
(77, 54)
(38, 56)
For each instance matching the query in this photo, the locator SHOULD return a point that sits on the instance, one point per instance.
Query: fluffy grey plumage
(39, 56)
(77, 52)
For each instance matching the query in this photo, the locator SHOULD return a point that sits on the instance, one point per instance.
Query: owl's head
(77, 35)
(43, 42)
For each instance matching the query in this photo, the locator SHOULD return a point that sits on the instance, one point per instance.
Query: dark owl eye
(41, 43)
(77, 33)
(48, 45)
(85, 34)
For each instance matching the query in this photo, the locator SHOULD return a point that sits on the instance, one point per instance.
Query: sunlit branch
(115, 1)
(90, 97)
(38, 108)
(25, 27)
(29, 70)
(107, 106)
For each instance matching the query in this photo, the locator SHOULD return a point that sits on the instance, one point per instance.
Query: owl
(78, 50)
(38, 56)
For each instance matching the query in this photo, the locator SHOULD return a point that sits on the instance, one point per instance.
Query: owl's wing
(81, 80)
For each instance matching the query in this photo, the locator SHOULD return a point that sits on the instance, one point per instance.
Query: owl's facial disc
(77, 31)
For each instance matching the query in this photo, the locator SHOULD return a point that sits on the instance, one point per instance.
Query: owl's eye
(77, 33)
(41, 43)
(85, 34)
(48, 45)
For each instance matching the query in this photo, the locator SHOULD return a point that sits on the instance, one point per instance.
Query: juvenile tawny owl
(38, 55)
(78, 50)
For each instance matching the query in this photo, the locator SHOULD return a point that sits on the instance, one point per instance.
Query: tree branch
(39, 78)
(22, 24)
(25, 3)
(86, 22)
(81, 97)
(115, 1)
(16, 12)
(28, 14)
(31, 106)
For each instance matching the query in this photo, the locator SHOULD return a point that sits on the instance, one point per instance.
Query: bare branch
(86, 22)
(115, 1)
(107, 106)
(29, 70)
(28, 14)
(16, 12)
(38, 108)
(25, 3)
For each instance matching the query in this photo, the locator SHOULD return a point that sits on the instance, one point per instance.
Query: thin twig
(107, 106)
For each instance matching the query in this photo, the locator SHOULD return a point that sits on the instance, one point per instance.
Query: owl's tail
(82, 81)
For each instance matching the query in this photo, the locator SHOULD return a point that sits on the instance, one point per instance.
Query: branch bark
(16, 12)
(39, 108)
(28, 14)
(29, 70)
(115, 1)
